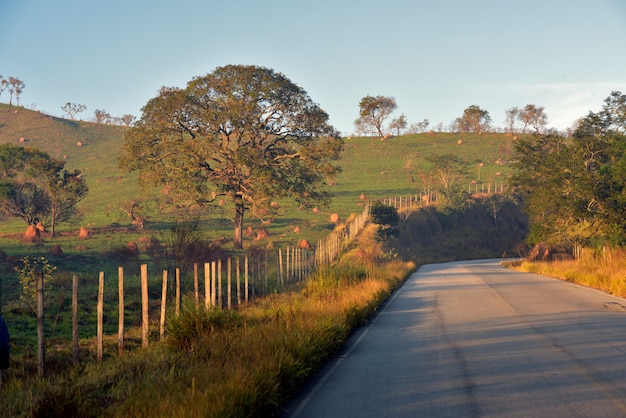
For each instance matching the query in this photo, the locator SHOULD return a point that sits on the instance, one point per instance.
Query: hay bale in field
(83, 233)
(334, 218)
(32, 233)
(261, 233)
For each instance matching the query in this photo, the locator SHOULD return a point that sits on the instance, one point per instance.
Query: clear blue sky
(436, 57)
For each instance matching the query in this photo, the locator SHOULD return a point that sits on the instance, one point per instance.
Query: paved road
(471, 339)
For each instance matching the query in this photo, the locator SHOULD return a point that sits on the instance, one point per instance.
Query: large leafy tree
(243, 133)
(373, 111)
(574, 189)
(534, 116)
(474, 119)
(64, 189)
(36, 187)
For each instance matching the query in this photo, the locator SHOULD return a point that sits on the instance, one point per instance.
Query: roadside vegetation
(220, 363)
(479, 194)
(601, 268)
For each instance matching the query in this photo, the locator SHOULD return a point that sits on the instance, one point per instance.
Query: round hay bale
(32, 233)
(334, 218)
(261, 233)
(304, 244)
(83, 233)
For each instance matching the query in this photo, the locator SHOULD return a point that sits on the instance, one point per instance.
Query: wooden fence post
(120, 321)
(163, 306)
(246, 283)
(229, 284)
(207, 285)
(213, 284)
(144, 306)
(280, 267)
(100, 315)
(75, 319)
(177, 303)
(219, 284)
(196, 293)
(41, 343)
(238, 267)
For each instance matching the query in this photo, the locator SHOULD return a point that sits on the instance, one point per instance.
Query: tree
(547, 177)
(373, 111)
(450, 169)
(102, 116)
(386, 217)
(474, 119)
(15, 86)
(243, 133)
(35, 187)
(63, 188)
(19, 196)
(3, 85)
(512, 115)
(398, 124)
(72, 109)
(533, 116)
(128, 119)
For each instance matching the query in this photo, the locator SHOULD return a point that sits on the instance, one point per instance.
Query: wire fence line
(221, 284)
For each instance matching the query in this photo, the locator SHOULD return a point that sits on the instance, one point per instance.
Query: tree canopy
(373, 111)
(474, 119)
(36, 187)
(241, 133)
(574, 190)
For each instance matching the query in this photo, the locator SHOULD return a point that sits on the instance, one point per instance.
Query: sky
(435, 57)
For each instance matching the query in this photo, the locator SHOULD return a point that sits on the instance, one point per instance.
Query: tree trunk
(53, 218)
(238, 238)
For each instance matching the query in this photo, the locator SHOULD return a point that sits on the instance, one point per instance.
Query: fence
(226, 284)
(422, 199)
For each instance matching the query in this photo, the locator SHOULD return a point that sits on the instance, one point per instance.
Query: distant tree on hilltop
(534, 116)
(474, 119)
(72, 109)
(15, 87)
(373, 111)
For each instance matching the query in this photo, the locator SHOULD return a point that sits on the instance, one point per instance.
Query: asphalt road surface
(472, 339)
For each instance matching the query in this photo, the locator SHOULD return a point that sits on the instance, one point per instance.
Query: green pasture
(372, 169)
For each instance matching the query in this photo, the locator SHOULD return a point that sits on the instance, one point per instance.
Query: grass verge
(220, 363)
(601, 269)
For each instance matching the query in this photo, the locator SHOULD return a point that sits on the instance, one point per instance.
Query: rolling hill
(371, 167)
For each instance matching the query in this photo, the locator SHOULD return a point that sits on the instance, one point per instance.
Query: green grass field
(371, 167)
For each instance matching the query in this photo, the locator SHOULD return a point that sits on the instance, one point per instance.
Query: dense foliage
(482, 228)
(36, 187)
(241, 133)
(573, 189)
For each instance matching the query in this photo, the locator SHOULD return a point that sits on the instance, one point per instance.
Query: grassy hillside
(370, 166)
(89, 147)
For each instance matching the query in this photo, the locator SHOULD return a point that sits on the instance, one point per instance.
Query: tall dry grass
(221, 363)
(603, 268)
